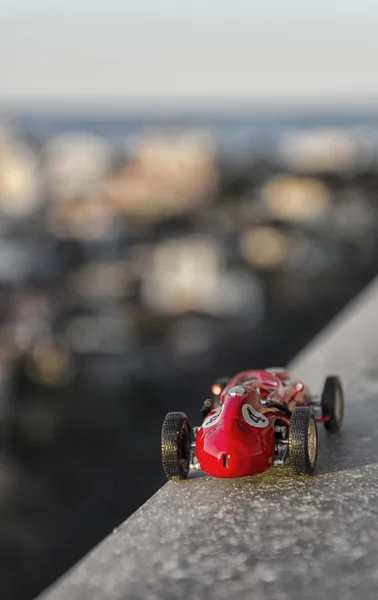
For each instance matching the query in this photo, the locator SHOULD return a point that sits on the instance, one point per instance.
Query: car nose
(233, 462)
(236, 445)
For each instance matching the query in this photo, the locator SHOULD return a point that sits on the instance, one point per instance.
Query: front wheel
(333, 403)
(176, 439)
(303, 441)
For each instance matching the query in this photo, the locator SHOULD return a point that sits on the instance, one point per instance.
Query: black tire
(176, 439)
(303, 441)
(333, 403)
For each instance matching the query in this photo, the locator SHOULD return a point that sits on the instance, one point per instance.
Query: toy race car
(254, 420)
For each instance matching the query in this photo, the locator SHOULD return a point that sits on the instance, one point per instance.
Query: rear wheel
(333, 403)
(303, 441)
(176, 439)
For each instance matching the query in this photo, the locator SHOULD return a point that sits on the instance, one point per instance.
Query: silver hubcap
(337, 406)
(312, 441)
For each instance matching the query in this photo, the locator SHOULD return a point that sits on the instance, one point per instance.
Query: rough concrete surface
(274, 536)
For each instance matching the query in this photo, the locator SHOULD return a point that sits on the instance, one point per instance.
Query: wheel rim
(184, 447)
(338, 406)
(312, 441)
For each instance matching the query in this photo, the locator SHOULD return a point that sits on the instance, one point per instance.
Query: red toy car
(253, 421)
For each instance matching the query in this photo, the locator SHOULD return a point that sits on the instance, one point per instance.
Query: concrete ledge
(273, 536)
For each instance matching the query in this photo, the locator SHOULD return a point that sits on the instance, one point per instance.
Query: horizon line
(200, 107)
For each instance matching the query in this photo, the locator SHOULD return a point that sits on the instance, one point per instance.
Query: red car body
(238, 438)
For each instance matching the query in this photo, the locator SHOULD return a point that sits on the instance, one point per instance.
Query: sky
(175, 53)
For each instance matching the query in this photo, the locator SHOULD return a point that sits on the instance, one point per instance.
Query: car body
(238, 438)
(262, 418)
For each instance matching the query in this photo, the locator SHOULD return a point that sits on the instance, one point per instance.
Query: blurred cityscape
(139, 259)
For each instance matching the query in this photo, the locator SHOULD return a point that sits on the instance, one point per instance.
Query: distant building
(327, 150)
(76, 163)
(191, 274)
(165, 176)
(20, 178)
